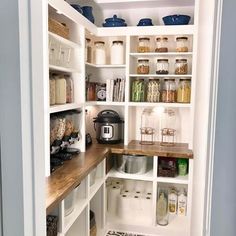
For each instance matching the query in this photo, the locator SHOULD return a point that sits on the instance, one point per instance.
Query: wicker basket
(167, 167)
(52, 225)
(93, 231)
(58, 28)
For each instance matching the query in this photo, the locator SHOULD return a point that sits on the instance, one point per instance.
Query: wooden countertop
(60, 183)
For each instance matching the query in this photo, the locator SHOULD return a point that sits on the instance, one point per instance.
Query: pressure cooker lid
(108, 116)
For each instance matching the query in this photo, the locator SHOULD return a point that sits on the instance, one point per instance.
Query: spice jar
(138, 90)
(99, 53)
(181, 66)
(52, 86)
(117, 53)
(184, 91)
(161, 44)
(143, 44)
(169, 91)
(88, 51)
(143, 66)
(182, 44)
(162, 66)
(153, 90)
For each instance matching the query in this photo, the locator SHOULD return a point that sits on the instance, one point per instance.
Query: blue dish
(176, 20)
(88, 13)
(77, 7)
(145, 22)
(114, 22)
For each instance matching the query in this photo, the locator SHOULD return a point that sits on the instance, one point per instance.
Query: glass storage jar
(88, 51)
(143, 66)
(184, 91)
(99, 53)
(182, 44)
(161, 44)
(52, 85)
(153, 90)
(144, 44)
(162, 66)
(181, 66)
(117, 52)
(138, 90)
(169, 93)
(162, 207)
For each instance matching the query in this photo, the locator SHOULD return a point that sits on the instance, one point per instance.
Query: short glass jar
(143, 66)
(117, 53)
(162, 66)
(184, 91)
(99, 53)
(143, 45)
(169, 92)
(181, 66)
(153, 90)
(182, 44)
(161, 44)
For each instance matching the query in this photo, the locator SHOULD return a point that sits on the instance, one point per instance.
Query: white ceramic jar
(99, 53)
(117, 53)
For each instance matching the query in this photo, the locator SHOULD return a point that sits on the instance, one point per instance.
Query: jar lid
(146, 60)
(181, 60)
(181, 38)
(144, 38)
(169, 79)
(162, 38)
(160, 60)
(99, 42)
(88, 40)
(184, 79)
(117, 41)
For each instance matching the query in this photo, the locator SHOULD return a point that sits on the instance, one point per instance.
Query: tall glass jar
(117, 52)
(162, 207)
(182, 44)
(181, 66)
(99, 53)
(184, 91)
(144, 44)
(88, 51)
(162, 66)
(138, 90)
(153, 90)
(169, 93)
(161, 44)
(143, 66)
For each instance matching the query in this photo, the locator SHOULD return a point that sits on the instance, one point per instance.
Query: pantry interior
(95, 196)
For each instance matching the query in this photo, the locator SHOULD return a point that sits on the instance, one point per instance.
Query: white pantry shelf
(105, 66)
(163, 54)
(176, 180)
(160, 104)
(104, 103)
(63, 69)
(64, 107)
(95, 187)
(160, 76)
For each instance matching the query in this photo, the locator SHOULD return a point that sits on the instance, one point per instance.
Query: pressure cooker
(108, 126)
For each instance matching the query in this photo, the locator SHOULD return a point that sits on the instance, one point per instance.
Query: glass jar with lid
(181, 66)
(153, 90)
(117, 52)
(144, 44)
(99, 53)
(182, 44)
(169, 93)
(161, 44)
(143, 66)
(184, 91)
(162, 66)
(138, 90)
(88, 51)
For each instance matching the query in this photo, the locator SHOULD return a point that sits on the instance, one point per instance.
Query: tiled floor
(116, 233)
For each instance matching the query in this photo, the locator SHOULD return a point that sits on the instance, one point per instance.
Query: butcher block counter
(61, 182)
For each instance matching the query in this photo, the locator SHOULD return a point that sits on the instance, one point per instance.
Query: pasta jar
(143, 66)
(161, 44)
(138, 90)
(153, 90)
(169, 93)
(181, 66)
(162, 66)
(182, 44)
(144, 44)
(88, 51)
(99, 53)
(184, 91)
(117, 53)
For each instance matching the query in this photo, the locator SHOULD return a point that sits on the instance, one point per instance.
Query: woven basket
(58, 28)
(93, 231)
(52, 225)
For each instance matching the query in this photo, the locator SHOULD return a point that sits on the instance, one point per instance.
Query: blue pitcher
(88, 13)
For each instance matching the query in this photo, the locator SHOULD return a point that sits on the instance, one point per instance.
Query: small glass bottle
(161, 44)
(162, 66)
(184, 91)
(153, 90)
(143, 66)
(117, 53)
(88, 51)
(182, 44)
(162, 208)
(99, 53)
(144, 45)
(181, 66)
(169, 93)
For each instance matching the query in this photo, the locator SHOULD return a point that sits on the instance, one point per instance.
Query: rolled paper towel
(140, 186)
(148, 187)
(118, 182)
(129, 185)
(113, 194)
(124, 209)
(146, 210)
(126, 192)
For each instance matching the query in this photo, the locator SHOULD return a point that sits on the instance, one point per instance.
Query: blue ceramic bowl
(77, 8)
(176, 20)
(114, 22)
(145, 22)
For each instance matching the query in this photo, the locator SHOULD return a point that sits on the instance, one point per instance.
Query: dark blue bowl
(114, 24)
(77, 7)
(145, 22)
(176, 20)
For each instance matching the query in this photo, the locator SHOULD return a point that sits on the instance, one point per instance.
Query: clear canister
(138, 90)
(182, 44)
(143, 66)
(52, 85)
(144, 44)
(169, 93)
(117, 52)
(184, 91)
(153, 90)
(161, 44)
(99, 53)
(162, 66)
(88, 51)
(181, 67)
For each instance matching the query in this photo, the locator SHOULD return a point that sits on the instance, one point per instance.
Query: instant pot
(108, 126)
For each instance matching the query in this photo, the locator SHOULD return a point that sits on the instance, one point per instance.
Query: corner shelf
(63, 69)
(95, 187)
(176, 180)
(65, 107)
(104, 66)
(163, 54)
